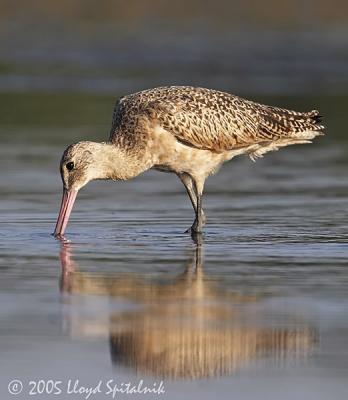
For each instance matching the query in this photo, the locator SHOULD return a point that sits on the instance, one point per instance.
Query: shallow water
(257, 309)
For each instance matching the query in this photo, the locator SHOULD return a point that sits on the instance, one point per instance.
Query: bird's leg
(187, 181)
(191, 191)
(198, 224)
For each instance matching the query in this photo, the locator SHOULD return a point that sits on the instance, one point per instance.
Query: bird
(185, 130)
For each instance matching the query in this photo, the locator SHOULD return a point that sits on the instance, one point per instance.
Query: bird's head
(80, 163)
(85, 161)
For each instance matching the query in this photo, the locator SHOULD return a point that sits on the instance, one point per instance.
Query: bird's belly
(190, 160)
(170, 155)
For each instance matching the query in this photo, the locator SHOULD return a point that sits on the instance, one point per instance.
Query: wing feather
(209, 119)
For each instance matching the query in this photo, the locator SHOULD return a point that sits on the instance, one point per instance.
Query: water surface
(257, 309)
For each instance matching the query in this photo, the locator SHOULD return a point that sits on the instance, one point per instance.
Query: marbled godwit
(185, 130)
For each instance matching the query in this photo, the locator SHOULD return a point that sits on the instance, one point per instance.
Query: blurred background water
(258, 309)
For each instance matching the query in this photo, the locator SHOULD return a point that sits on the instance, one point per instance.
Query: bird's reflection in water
(188, 326)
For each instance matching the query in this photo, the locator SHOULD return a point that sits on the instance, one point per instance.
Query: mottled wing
(220, 122)
(205, 119)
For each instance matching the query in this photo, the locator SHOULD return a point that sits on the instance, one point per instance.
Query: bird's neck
(116, 164)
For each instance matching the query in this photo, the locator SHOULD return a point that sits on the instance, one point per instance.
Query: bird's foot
(196, 234)
(196, 227)
(193, 230)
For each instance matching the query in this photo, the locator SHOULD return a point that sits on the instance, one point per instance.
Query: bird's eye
(70, 166)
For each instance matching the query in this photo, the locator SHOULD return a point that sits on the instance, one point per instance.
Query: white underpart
(173, 156)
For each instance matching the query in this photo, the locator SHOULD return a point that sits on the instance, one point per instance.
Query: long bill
(66, 206)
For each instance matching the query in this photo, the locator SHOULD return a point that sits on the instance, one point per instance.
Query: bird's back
(207, 119)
